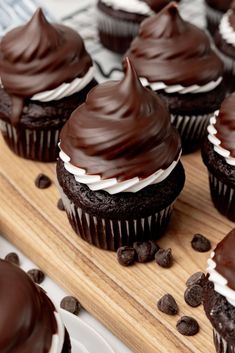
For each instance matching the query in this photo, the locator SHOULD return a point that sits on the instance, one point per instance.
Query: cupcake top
(43, 62)
(121, 138)
(174, 55)
(227, 26)
(221, 5)
(222, 130)
(28, 321)
(221, 268)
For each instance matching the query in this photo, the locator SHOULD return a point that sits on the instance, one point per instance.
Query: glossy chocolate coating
(225, 258)
(157, 5)
(123, 130)
(171, 50)
(27, 321)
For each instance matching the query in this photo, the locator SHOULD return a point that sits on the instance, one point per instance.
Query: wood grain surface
(124, 299)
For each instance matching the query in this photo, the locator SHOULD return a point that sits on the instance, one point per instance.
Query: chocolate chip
(42, 181)
(126, 255)
(154, 248)
(187, 326)
(13, 258)
(198, 278)
(143, 251)
(193, 295)
(36, 275)
(71, 304)
(200, 243)
(164, 258)
(168, 305)
(60, 205)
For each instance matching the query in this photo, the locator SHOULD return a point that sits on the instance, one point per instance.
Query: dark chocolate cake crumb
(126, 255)
(42, 181)
(187, 326)
(60, 205)
(36, 275)
(164, 258)
(193, 295)
(168, 305)
(198, 278)
(200, 243)
(145, 251)
(71, 304)
(13, 258)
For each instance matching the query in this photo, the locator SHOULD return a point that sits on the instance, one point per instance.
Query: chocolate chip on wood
(71, 304)
(187, 326)
(13, 258)
(168, 305)
(200, 243)
(42, 181)
(164, 258)
(36, 275)
(60, 205)
(126, 255)
(193, 295)
(198, 278)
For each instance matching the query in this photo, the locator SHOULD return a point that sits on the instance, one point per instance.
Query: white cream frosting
(58, 339)
(220, 283)
(226, 30)
(113, 186)
(216, 142)
(157, 86)
(133, 6)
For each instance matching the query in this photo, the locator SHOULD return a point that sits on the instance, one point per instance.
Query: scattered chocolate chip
(168, 305)
(143, 251)
(187, 326)
(60, 205)
(126, 255)
(193, 295)
(198, 278)
(36, 275)
(164, 258)
(154, 248)
(13, 258)
(71, 304)
(200, 243)
(42, 181)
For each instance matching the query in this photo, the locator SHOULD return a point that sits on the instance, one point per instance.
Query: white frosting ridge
(157, 86)
(220, 283)
(217, 143)
(133, 6)
(112, 185)
(58, 339)
(226, 30)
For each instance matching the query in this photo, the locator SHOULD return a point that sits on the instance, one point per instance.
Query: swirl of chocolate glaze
(171, 50)
(123, 130)
(40, 56)
(27, 321)
(221, 5)
(157, 5)
(225, 259)
(225, 125)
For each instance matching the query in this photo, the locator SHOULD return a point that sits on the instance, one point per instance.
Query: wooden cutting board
(124, 299)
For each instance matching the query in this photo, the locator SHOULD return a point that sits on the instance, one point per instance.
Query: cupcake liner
(192, 129)
(221, 345)
(223, 197)
(36, 144)
(110, 234)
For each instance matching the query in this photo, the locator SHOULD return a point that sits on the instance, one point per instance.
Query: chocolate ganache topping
(123, 130)
(225, 125)
(225, 258)
(40, 56)
(27, 322)
(157, 5)
(171, 50)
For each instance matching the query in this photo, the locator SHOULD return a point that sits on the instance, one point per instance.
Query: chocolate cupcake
(119, 172)
(214, 12)
(175, 59)
(218, 153)
(45, 74)
(119, 20)
(219, 294)
(29, 320)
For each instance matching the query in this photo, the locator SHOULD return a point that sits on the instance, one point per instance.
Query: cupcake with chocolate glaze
(219, 294)
(215, 9)
(218, 153)
(119, 20)
(119, 172)
(29, 321)
(45, 74)
(175, 59)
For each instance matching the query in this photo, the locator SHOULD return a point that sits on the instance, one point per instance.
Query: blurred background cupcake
(119, 20)
(214, 12)
(218, 154)
(219, 294)
(45, 74)
(175, 59)
(119, 172)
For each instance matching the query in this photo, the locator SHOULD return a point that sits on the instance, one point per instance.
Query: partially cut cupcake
(119, 172)
(29, 321)
(45, 73)
(175, 59)
(215, 9)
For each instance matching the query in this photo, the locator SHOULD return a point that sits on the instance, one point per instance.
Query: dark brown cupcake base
(67, 343)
